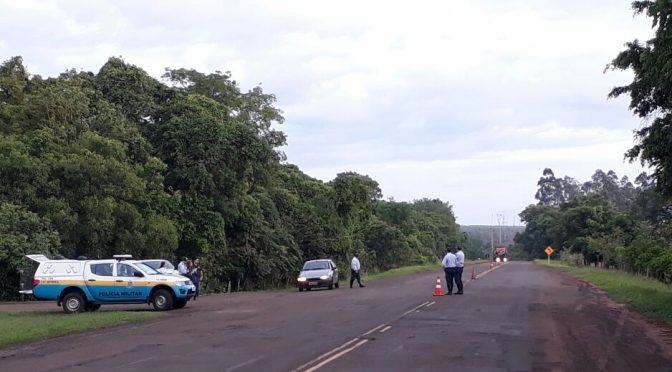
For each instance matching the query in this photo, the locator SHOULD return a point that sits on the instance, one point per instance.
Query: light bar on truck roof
(120, 257)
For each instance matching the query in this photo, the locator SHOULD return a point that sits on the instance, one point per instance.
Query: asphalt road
(519, 317)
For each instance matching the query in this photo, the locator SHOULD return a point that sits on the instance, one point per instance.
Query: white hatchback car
(318, 273)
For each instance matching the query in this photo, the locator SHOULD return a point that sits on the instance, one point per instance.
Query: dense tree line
(97, 164)
(605, 220)
(627, 226)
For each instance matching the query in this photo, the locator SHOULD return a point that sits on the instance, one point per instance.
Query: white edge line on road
(373, 330)
(328, 353)
(385, 329)
(361, 342)
(430, 304)
(334, 357)
(479, 276)
(415, 308)
(335, 350)
(139, 361)
(243, 364)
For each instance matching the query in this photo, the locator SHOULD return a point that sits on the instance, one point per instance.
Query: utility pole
(492, 239)
(500, 221)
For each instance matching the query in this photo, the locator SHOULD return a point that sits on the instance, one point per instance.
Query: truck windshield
(146, 269)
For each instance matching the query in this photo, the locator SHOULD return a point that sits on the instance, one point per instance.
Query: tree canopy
(651, 91)
(97, 164)
(607, 217)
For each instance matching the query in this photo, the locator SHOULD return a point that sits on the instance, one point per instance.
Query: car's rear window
(316, 265)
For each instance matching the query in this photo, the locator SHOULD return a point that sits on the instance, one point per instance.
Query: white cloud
(554, 131)
(464, 100)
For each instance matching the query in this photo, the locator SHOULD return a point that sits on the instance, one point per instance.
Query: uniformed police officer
(449, 264)
(459, 268)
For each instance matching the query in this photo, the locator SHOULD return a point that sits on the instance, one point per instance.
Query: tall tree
(651, 91)
(550, 189)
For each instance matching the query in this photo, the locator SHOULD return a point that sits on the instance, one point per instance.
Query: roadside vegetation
(406, 270)
(19, 328)
(643, 294)
(609, 221)
(117, 161)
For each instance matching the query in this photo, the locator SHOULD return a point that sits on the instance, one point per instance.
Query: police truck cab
(85, 285)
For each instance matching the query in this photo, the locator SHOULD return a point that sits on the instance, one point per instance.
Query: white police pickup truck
(84, 285)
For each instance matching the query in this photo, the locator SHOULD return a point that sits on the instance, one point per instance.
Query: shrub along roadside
(23, 327)
(407, 270)
(645, 295)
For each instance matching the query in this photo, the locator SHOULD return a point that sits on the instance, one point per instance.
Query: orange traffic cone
(473, 273)
(438, 290)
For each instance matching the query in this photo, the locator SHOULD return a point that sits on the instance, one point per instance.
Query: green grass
(406, 270)
(645, 295)
(23, 327)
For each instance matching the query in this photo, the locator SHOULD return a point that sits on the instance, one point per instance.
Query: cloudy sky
(463, 100)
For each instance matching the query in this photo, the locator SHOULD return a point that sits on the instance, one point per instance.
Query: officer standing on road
(354, 272)
(449, 264)
(459, 263)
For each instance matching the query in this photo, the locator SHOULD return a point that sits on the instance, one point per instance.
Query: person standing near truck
(449, 264)
(196, 277)
(182, 267)
(459, 268)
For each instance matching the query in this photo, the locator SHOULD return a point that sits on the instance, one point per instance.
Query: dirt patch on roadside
(591, 332)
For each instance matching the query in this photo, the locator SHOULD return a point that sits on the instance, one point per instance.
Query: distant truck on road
(500, 254)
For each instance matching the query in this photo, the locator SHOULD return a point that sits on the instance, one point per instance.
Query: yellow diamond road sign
(549, 250)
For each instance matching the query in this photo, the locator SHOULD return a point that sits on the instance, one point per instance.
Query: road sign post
(549, 250)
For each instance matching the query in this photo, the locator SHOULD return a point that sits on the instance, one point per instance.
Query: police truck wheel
(162, 300)
(73, 303)
(179, 304)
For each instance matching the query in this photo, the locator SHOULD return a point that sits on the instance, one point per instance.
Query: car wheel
(92, 307)
(331, 285)
(336, 284)
(308, 289)
(179, 304)
(162, 300)
(73, 303)
(300, 289)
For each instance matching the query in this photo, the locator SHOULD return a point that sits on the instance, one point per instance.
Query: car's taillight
(36, 282)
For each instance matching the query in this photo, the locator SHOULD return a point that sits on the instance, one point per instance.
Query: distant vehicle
(85, 285)
(500, 254)
(318, 273)
(168, 268)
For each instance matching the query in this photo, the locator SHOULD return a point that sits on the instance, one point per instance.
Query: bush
(661, 267)
(572, 259)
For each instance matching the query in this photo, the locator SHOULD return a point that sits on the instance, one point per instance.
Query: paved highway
(519, 317)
